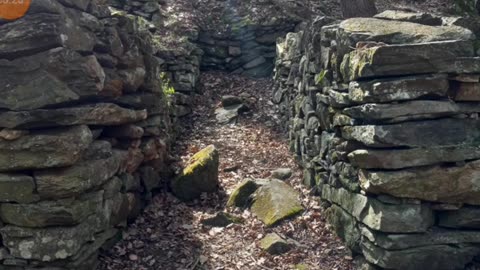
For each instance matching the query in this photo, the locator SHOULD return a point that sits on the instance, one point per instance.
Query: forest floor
(169, 234)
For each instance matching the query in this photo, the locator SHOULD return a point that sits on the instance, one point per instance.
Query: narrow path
(169, 235)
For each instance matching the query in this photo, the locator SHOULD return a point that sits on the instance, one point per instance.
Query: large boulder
(275, 201)
(45, 149)
(199, 176)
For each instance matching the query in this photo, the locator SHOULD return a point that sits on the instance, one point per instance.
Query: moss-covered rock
(199, 176)
(241, 196)
(275, 201)
(275, 244)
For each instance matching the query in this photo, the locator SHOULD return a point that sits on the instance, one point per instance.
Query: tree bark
(358, 8)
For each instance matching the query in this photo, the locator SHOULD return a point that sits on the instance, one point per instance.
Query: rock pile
(383, 115)
(86, 119)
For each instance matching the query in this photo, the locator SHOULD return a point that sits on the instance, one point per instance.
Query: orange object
(13, 9)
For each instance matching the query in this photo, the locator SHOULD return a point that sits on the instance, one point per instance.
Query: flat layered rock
(57, 76)
(77, 179)
(416, 157)
(417, 134)
(457, 184)
(397, 89)
(275, 201)
(104, 114)
(467, 217)
(66, 212)
(409, 59)
(414, 17)
(410, 110)
(45, 149)
(438, 257)
(397, 32)
(400, 218)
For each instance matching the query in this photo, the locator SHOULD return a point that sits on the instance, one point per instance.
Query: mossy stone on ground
(221, 219)
(199, 176)
(241, 196)
(275, 201)
(274, 244)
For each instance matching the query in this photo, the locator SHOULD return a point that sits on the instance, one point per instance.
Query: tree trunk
(358, 8)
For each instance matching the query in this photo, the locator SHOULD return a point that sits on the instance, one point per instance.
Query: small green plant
(167, 88)
(320, 76)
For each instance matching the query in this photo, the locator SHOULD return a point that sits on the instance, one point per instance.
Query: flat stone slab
(410, 59)
(456, 184)
(18, 188)
(414, 17)
(416, 157)
(400, 218)
(45, 149)
(397, 89)
(467, 217)
(275, 201)
(104, 114)
(417, 134)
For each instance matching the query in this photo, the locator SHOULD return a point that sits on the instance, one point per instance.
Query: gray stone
(75, 180)
(229, 114)
(396, 89)
(17, 188)
(255, 63)
(99, 114)
(438, 257)
(221, 219)
(411, 110)
(406, 218)
(275, 244)
(394, 60)
(414, 17)
(467, 217)
(230, 100)
(415, 157)
(199, 176)
(45, 149)
(417, 134)
(457, 184)
(65, 212)
(275, 202)
(241, 195)
(345, 226)
(282, 173)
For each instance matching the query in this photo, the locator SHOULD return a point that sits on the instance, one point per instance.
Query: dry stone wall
(86, 119)
(383, 115)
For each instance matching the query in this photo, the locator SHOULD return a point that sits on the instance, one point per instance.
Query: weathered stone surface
(417, 134)
(437, 183)
(398, 32)
(17, 188)
(275, 201)
(65, 212)
(241, 195)
(74, 180)
(466, 91)
(467, 217)
(98, 114)
(45, 149)
(403, 218)
(221, 219)
(229, 114)
(439, 257)
(48, 244)
(393, 60)
(275, 244)
(345, 226)
(199, 176)
(434, 236)
(415, 157)
(414, 17)
(282, 173)
(411, 110)
(396, 89)
(230, 100)
(54, 77)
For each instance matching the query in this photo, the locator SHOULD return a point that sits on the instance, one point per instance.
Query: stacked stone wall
(90, 96)
(383, 115)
